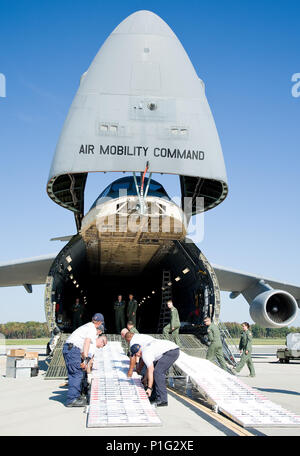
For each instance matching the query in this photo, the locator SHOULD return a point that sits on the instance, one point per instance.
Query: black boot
(161, 404)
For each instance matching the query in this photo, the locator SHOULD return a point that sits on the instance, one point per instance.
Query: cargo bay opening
(154, 265)
(177, 266)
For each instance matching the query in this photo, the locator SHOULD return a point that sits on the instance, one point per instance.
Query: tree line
(258, 332)
(28, 330)
(35, 330)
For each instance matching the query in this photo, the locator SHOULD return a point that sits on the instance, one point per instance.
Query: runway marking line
(221, 419)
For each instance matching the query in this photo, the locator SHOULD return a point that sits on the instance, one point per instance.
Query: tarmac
(35, 407)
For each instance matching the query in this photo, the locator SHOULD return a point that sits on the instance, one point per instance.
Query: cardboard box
(17, 352)
(10, 372)
(32, 355)
(11, 361)
(23, 372)
(20, 367)
(25, 363)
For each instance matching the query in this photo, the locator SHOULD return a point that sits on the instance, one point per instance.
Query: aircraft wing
(237, 281)
(31, 271)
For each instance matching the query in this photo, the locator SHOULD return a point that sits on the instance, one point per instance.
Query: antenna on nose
(140, 191)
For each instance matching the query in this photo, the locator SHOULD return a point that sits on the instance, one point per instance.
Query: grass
(264, 341)
(42, 341)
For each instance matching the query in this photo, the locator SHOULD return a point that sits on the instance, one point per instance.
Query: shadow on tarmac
(273, 390)
(61, 396)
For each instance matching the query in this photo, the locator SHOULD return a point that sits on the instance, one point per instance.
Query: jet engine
(269, 307)
(273, 309)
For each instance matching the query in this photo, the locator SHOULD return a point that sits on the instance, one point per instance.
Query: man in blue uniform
(79, 343)
(136, 338)
(158, 356)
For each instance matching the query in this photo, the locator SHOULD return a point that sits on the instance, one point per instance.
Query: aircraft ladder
(164, 316)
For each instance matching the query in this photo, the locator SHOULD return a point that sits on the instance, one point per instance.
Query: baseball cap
(98, 317)
(134, 349)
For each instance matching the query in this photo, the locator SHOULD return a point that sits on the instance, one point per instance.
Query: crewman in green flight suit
(245, 348)
(119, 307)
(215, 350)
(76, 314)
(131, 309)
(174, 325)
(131, 328)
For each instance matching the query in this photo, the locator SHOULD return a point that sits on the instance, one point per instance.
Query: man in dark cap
(75, 352)
(136, 338)
(158, 356)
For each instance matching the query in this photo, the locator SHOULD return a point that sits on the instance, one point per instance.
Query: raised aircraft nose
(140, 101)
(144, 22)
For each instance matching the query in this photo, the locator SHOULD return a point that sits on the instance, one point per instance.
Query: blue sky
(246, 53)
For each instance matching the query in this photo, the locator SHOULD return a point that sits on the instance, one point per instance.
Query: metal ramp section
(189, 343)
(57, 367)
(115, 399)
(230, 396)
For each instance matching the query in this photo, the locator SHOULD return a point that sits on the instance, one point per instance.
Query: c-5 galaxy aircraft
(141, 108)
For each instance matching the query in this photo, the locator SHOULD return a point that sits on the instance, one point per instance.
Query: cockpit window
(116, 186)
(127, 184)
(105, 192)
(154, 187)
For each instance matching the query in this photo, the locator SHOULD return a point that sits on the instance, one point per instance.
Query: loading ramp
(226, 393)
(115, 399)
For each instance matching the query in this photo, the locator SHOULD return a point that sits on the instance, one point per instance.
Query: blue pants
(75, 373)
(160, 369)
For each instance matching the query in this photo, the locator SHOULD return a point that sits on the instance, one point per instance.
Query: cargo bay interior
(152, 267)
(178, 269)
